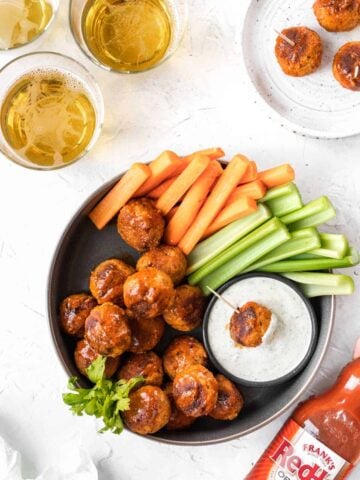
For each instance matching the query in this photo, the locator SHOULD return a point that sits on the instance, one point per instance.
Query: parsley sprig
(106, 399)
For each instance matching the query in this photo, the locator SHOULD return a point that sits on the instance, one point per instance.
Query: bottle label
(294, 454)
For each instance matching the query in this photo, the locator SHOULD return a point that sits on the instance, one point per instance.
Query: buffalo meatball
(145, 332)
(85, 355)
(195, 391)
(148, 293)
(337, 15)
(107, 281)
(178, 419)
(141, 225)
(107, 330)
(181, 353)
(302, 54)
(74, 310)
(346, 66)
(170, 260)
(249, 324)
(149, 410)
(147, 365)
(187, 310)
(229, 401)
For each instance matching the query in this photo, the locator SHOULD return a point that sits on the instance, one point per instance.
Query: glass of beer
(24, 21)
(51, 111)
(128, 36)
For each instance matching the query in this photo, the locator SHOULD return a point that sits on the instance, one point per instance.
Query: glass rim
(94, 60)
(40, 34)
(99, 115)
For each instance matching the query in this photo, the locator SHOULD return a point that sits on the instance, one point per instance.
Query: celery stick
(279, 191)
(320, 284)
(242, 245)
(332, 246)
(220, 241)
(311, 215)
(320, 263)
(301, 241)
(285, 204)
(239, 263)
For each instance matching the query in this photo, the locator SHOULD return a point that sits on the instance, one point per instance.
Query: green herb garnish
(106, 399)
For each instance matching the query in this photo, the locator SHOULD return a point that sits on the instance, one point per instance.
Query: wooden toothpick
(223, 299)
(284, 37)
(357, 70)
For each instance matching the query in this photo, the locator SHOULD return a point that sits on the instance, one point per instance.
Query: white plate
(315, 105)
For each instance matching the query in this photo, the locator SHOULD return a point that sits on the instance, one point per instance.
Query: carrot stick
(172, 212)
(255, 190)
(163, 167)
(277, 175)
(160, 189)
(250, 174)
(182, 183)
(242, 207)
(119, 195)
(212, 153)
(190, 206)
(229, 179)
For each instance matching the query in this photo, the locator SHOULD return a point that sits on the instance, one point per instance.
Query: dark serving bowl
(82, 247)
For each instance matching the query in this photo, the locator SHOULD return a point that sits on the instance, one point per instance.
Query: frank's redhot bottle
(321, 441)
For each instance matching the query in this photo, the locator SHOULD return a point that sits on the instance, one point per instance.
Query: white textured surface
(198, 98)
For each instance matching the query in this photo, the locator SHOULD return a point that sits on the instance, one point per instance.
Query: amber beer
(127, 35)
(22, 20)
(322, 439)
(47, 118)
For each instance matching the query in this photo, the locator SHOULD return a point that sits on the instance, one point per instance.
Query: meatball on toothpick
(300, 53)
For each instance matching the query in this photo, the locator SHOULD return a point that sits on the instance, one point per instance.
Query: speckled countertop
(197, 99)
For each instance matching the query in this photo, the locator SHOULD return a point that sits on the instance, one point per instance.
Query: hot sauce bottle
(321, 441)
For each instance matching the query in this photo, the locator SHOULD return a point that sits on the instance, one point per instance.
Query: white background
(199, 98)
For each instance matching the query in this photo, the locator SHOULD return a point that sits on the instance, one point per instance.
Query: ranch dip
(284, 345)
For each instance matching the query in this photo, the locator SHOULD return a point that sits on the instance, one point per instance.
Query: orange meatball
(178, 419)
(337, 15)
(147, 365)
(187, 310)
(170, 260)
(249, 324)
(85, 355)
(148, 293)
(181, 353)
(74, 310)
(195, 391)
(140, 224)
(346, 66)
(229, 401)
(149, 410)
(107, 330)
(107, 281)
(302, 58)
(146, 333)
